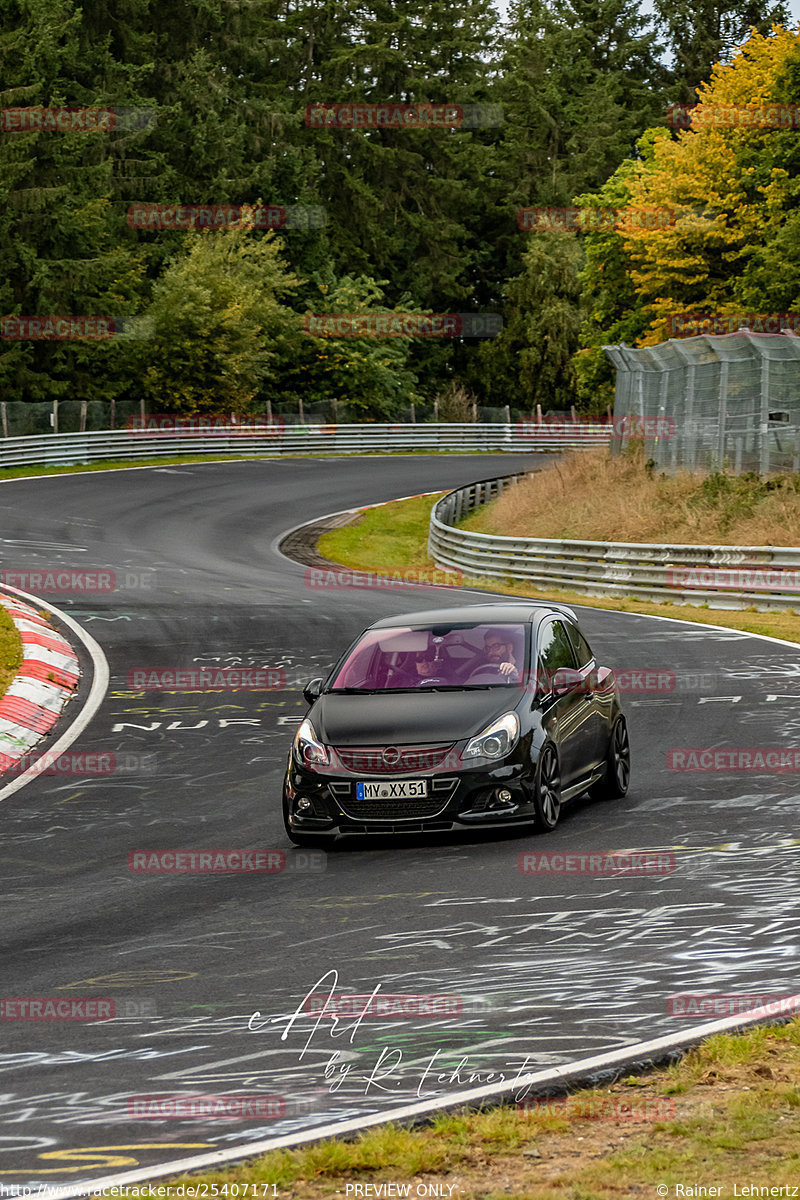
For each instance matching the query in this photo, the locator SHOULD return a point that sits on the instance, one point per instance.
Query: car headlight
(307, 750)
(496, 740)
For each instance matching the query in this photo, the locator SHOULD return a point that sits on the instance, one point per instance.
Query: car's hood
(408, 718)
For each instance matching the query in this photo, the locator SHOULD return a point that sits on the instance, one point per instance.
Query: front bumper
(456, 800)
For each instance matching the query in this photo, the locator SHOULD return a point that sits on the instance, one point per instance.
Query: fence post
(5, 418)
(82, 427)
(302, 415)
(764, 447)
(722, 396)
(508, 414)
(113, 412)
(659, 451)
(436, 411)
(413, 413)
(690, 432)
(55, 416)
(538, 414)
(475, 412)
(269, 412)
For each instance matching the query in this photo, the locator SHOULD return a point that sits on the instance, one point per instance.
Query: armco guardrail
(719, 576)
(67, 449)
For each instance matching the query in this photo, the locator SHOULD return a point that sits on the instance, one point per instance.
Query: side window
(555, 648)
(582, 649)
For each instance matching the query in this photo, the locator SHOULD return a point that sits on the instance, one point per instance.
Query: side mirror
(566, 680)
(312, 691)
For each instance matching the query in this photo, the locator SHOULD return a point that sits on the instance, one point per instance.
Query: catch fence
(705, 403)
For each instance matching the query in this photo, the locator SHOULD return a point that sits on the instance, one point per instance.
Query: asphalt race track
(545, 968)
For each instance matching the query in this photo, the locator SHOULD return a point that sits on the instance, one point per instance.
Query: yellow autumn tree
(735, 245)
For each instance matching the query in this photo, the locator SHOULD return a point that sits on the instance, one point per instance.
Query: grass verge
(597, 496)
(393, 538)
(727, 1115)
(10, 650)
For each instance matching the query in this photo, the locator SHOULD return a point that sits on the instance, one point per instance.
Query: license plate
(406, 789)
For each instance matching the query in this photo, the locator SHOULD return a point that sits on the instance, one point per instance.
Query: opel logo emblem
(391, 756)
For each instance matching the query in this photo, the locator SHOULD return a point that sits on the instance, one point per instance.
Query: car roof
(487, 614)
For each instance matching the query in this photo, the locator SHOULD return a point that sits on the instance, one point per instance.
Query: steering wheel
(488, 669)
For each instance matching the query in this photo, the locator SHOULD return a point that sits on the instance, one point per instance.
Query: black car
(485, 715)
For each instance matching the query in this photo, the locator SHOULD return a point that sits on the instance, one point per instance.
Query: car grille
(370, 759)
(393, 810)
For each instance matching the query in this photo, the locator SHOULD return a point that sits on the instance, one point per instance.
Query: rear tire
(615, 782)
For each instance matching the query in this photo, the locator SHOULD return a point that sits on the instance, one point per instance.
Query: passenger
(423, 666)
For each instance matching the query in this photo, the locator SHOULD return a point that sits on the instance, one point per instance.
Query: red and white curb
(46, 681)
(47, 678)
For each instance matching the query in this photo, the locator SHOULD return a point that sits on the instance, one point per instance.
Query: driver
(500, 651)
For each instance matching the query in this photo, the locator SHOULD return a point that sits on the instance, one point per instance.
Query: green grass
(393, 538)
(10, 650)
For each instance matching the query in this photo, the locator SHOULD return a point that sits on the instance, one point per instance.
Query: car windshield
(434, 657)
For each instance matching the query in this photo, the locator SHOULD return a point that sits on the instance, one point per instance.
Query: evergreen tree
(701, 33)
(530, 362)
(59, 235)
(581, 80)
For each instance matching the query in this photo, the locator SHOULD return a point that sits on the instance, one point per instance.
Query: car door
(596, 716)
(568, 716)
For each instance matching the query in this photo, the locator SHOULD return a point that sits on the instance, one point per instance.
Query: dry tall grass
(595, 496)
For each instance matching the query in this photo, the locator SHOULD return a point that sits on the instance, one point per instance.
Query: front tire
(547, 791)
(615, 782)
